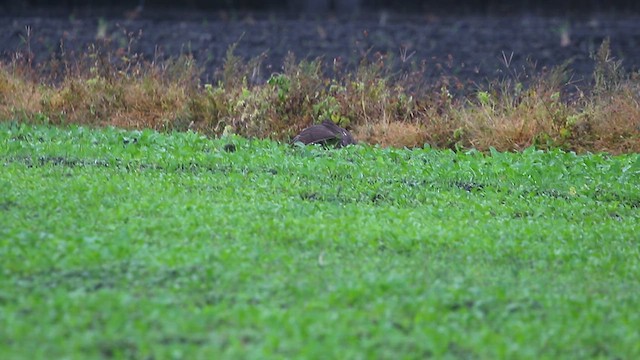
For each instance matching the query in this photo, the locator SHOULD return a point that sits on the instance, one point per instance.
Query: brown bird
(327, 134)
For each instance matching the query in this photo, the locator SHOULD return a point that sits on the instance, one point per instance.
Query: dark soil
(473, 49)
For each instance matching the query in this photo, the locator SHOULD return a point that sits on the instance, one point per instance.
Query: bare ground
(472, 49)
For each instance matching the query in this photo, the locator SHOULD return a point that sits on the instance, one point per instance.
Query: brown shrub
(613, 125)
(19, 97)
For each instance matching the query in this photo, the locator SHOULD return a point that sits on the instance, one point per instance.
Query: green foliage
(484, 98)
(282, 84)
(137, 244)
(329, 108)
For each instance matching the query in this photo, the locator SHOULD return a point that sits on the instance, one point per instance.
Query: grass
(110, 85)
(138, 244)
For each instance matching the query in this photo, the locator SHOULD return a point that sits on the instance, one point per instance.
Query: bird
(326, 134)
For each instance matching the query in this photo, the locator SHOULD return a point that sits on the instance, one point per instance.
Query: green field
(125, 244)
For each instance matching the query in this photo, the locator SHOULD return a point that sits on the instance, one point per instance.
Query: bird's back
(327, 133)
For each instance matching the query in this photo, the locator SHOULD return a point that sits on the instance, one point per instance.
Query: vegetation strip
(525, 108)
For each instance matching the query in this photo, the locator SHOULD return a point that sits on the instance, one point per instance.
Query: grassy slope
(124, 244)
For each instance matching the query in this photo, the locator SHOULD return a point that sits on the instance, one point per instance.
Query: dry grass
(517, 118)
(19, 97)
(121, 89)
(396, 133)
(611, 124)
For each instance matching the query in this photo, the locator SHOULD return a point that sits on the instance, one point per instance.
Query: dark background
(455, 41)
(300, 6)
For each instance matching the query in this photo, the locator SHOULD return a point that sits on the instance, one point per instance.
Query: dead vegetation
(102, 87)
